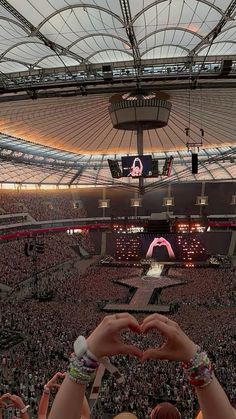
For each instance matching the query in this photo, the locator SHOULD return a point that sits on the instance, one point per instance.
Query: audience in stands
(42, 206)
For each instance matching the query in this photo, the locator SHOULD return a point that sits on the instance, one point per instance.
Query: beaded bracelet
(199, 369)
(79, 373)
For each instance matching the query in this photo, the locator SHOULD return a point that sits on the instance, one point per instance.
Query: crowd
(16, 266)
(211, 287)
(41, 205)
(50, 328)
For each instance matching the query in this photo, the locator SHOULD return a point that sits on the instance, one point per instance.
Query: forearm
(213, 402)
(171, 253)
(43, 405)
(68, 401)
(149, 252)
(85, 414)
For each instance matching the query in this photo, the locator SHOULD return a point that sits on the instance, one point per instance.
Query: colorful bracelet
(199, 369)
(89, 362)
(79, 373)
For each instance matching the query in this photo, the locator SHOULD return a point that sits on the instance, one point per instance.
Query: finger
(123, 315)
(127, 316)
(160, 317)
(154, 354)
(155, 316)
(127, 323)
(60, 374)
(130, 350)
(165, 329)
(6, 396)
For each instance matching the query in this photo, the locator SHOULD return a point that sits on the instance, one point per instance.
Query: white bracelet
(24, 410)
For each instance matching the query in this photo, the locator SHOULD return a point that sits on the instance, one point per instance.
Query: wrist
(190, 353)
(199, 370)
(23, 410)
(84, 349)
(46, 389)
(92, 350)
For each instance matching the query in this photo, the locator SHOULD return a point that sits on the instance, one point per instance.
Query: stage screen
(136, 166)
(173, 247)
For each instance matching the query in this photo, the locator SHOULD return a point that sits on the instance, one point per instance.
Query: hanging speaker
(26, 249)
(194, 163)
(226, 67)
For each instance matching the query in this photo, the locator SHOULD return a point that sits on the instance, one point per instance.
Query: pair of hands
(158, 242)
(106, 340)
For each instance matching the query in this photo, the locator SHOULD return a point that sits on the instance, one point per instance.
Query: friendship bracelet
(80, 373)
(79, 376)
(199, 369)
(46, 389)
(89, 362)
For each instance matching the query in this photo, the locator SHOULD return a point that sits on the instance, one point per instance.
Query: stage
(148, 289)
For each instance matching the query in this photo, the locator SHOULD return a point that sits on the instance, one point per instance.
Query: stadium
(117, 200)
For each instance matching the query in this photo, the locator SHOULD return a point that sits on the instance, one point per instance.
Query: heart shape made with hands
(148, 337)
(6, 401)
(171, 342)
(107, 339)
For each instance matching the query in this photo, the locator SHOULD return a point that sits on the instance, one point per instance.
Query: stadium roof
(97, 31)
(53, 51)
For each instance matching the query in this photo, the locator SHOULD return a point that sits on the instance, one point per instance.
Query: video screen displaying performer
(137, 166)
(174, 247)
(160, 242)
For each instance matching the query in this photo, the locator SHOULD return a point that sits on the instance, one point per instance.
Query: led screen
(173, 247)
(137, 166)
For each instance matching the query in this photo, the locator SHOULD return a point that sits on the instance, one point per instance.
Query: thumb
(131, 350)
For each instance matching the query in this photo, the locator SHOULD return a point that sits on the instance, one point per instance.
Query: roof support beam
(103, 34)
(165, 45)
(34, 31)
(212, 35)
(76, 176)
(157, 2)
(170, 28)
(125, 7)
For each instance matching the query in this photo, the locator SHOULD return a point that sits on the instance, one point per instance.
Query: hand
(160, 241)
(4, 399)
(53, 382)
(17, 402)
(106, 340)
(154, 243)
(164, 242)
(177, 347)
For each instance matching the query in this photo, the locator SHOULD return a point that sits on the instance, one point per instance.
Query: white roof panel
(97, 31)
